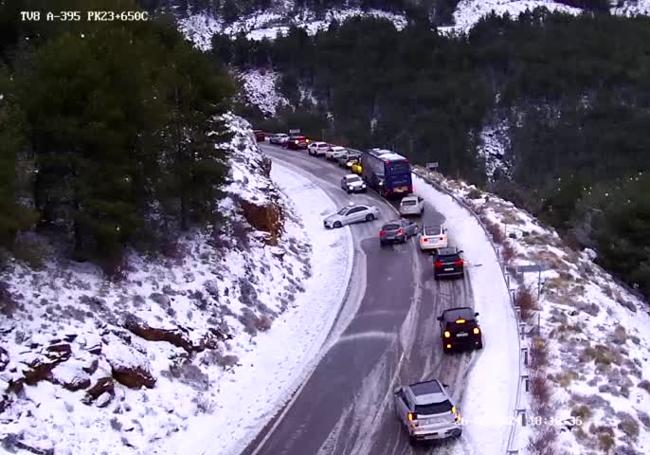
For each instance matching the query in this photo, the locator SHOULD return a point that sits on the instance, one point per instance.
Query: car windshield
(343, 211)
(353, 179)
(433, 408)
(391, 227)
(409, 202)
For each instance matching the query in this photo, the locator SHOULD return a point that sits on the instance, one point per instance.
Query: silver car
(411, 205)
(278, 139)
(351, 214)
(427, 412)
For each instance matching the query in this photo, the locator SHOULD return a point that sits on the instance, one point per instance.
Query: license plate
(449, 269)
(462, 334)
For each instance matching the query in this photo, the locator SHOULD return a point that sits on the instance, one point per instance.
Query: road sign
(432, 166)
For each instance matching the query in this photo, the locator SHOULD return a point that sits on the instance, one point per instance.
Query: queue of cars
(425, 409)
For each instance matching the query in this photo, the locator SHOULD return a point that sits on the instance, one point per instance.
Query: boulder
(133, 377)
(102, 386)
(160, 299)
(71, 376)
(128, 366)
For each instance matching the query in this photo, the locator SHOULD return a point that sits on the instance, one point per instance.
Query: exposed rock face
(4, 359)
(173, 336)
(40, 368)
(268, 218)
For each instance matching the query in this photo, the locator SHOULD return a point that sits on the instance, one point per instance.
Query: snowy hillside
(199, 28)
(588, 337)
(88, 365)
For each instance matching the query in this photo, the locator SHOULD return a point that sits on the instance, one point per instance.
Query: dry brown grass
(582, 411)
(540, 390)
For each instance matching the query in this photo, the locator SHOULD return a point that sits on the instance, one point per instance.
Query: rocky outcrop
(268, 218)
(143, 330)
(71, 376)
(133, 377)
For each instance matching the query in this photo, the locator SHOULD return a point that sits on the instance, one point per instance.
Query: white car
(335, 152)
(351, 214)
(433, 237)
(411, 205)
(279, 139)
(318, 148)
(427, 412)
(352, 183)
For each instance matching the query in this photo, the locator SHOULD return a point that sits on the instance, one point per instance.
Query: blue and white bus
(387, 172)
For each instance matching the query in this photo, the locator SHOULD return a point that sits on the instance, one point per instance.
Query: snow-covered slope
(260, 90)
(588, 338)
(161, 360)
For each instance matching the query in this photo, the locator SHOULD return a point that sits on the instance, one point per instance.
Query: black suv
(447, 262)
(459, 329)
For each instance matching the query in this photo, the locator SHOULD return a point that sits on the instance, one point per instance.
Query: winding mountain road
(386, 334)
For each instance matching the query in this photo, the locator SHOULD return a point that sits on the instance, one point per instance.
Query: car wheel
(413, 441)
(382, 243)
(404, 239)
(479, 346)
(337, 224)
(370, 217)
(348, 190)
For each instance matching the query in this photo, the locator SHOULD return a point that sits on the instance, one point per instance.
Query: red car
(260, 136)
(298, 143)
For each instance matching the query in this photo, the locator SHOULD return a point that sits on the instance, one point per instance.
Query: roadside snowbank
(489, 397)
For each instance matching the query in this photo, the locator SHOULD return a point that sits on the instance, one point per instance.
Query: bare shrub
(538, 354)
(495, 231)
(173, 249)
(204, 405)
(31, 250)
(226, 361)
(526, 302)
(474, 194)
(542, 442)
(263, 323)
(629, 426)
(582, 411)
(541, 393)
(600, 354)
(507, 253)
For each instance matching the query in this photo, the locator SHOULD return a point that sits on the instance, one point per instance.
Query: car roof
(338, 147)
(347, 176)
(453, 314)
(388, 223)
(319, 143)
(449, 251)
(428, 392)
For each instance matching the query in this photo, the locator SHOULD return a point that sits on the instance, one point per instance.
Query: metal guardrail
(523, 351)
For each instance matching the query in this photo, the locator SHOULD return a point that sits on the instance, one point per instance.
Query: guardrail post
(526, 380)
(524, 351)
(522, 412)
(522, 327)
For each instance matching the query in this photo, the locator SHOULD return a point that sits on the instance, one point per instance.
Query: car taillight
(400, 231)
(441, 238)
(425, 240)
(458, 262)
(438, 264)
(382, 234)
